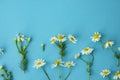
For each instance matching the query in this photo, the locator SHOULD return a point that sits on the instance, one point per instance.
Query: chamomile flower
(39, 63)
(72, 38)
(109, 43)
(105, 73)
(87, 51)
(53, 40)
(96, 37)
(1, 51)
(116, 75)
(58, 62)
(61, 38)
(77, 55)
(1, 67)
(119, 48)
(69, 64)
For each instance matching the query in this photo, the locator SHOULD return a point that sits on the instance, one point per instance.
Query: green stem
(26, 47)
(102, 45)
(89, 64)
(62, 47)
(17, 47)
(23, 62)
(59, 73)
(46, 74)
(108, 78)
(116, 56)
(118, 62)
(83, 60)
(20, 44)
(88, 70)
(113, 51)
(69, 72)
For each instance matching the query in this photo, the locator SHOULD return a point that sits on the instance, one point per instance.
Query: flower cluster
(40, 63)
(60, 40)
(59, 62)
(22, 42)
(106, 72)
(6, 75)
(107, 44)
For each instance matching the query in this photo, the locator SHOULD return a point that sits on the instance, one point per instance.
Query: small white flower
(61, 38)
(116, 75)
(20, 37)
(39, 63)
(105, 73)
(96, 37)
(1, 67)
(58, 62)
(77, 55)
(119, 48)
(1, 51)
(72, 38)
(53, 39)
(109, 43)
(87, 51)
(69, 64)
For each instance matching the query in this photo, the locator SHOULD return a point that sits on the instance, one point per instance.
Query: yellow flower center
(69, 65)
(60, 37)
(57, 62)
(105, 73)
(117, 73)
(107, 42)
(86, 49)
(53, 40)
(38, 63)
(72, 39)
(96, 36)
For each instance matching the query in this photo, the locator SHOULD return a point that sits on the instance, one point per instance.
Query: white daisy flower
(119, 48)
(105, 73)
(109, 43)
(53, 39)
(72, 38)
(20, 37)
(96, 37)
(116, 75)
(77, 55)
(58, 62)
(87, 51)
(1, 67)
(39, 63)
(69, 64)
(61, 38)
(1, 51)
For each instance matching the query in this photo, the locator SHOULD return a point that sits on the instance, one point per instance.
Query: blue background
(42, 19)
